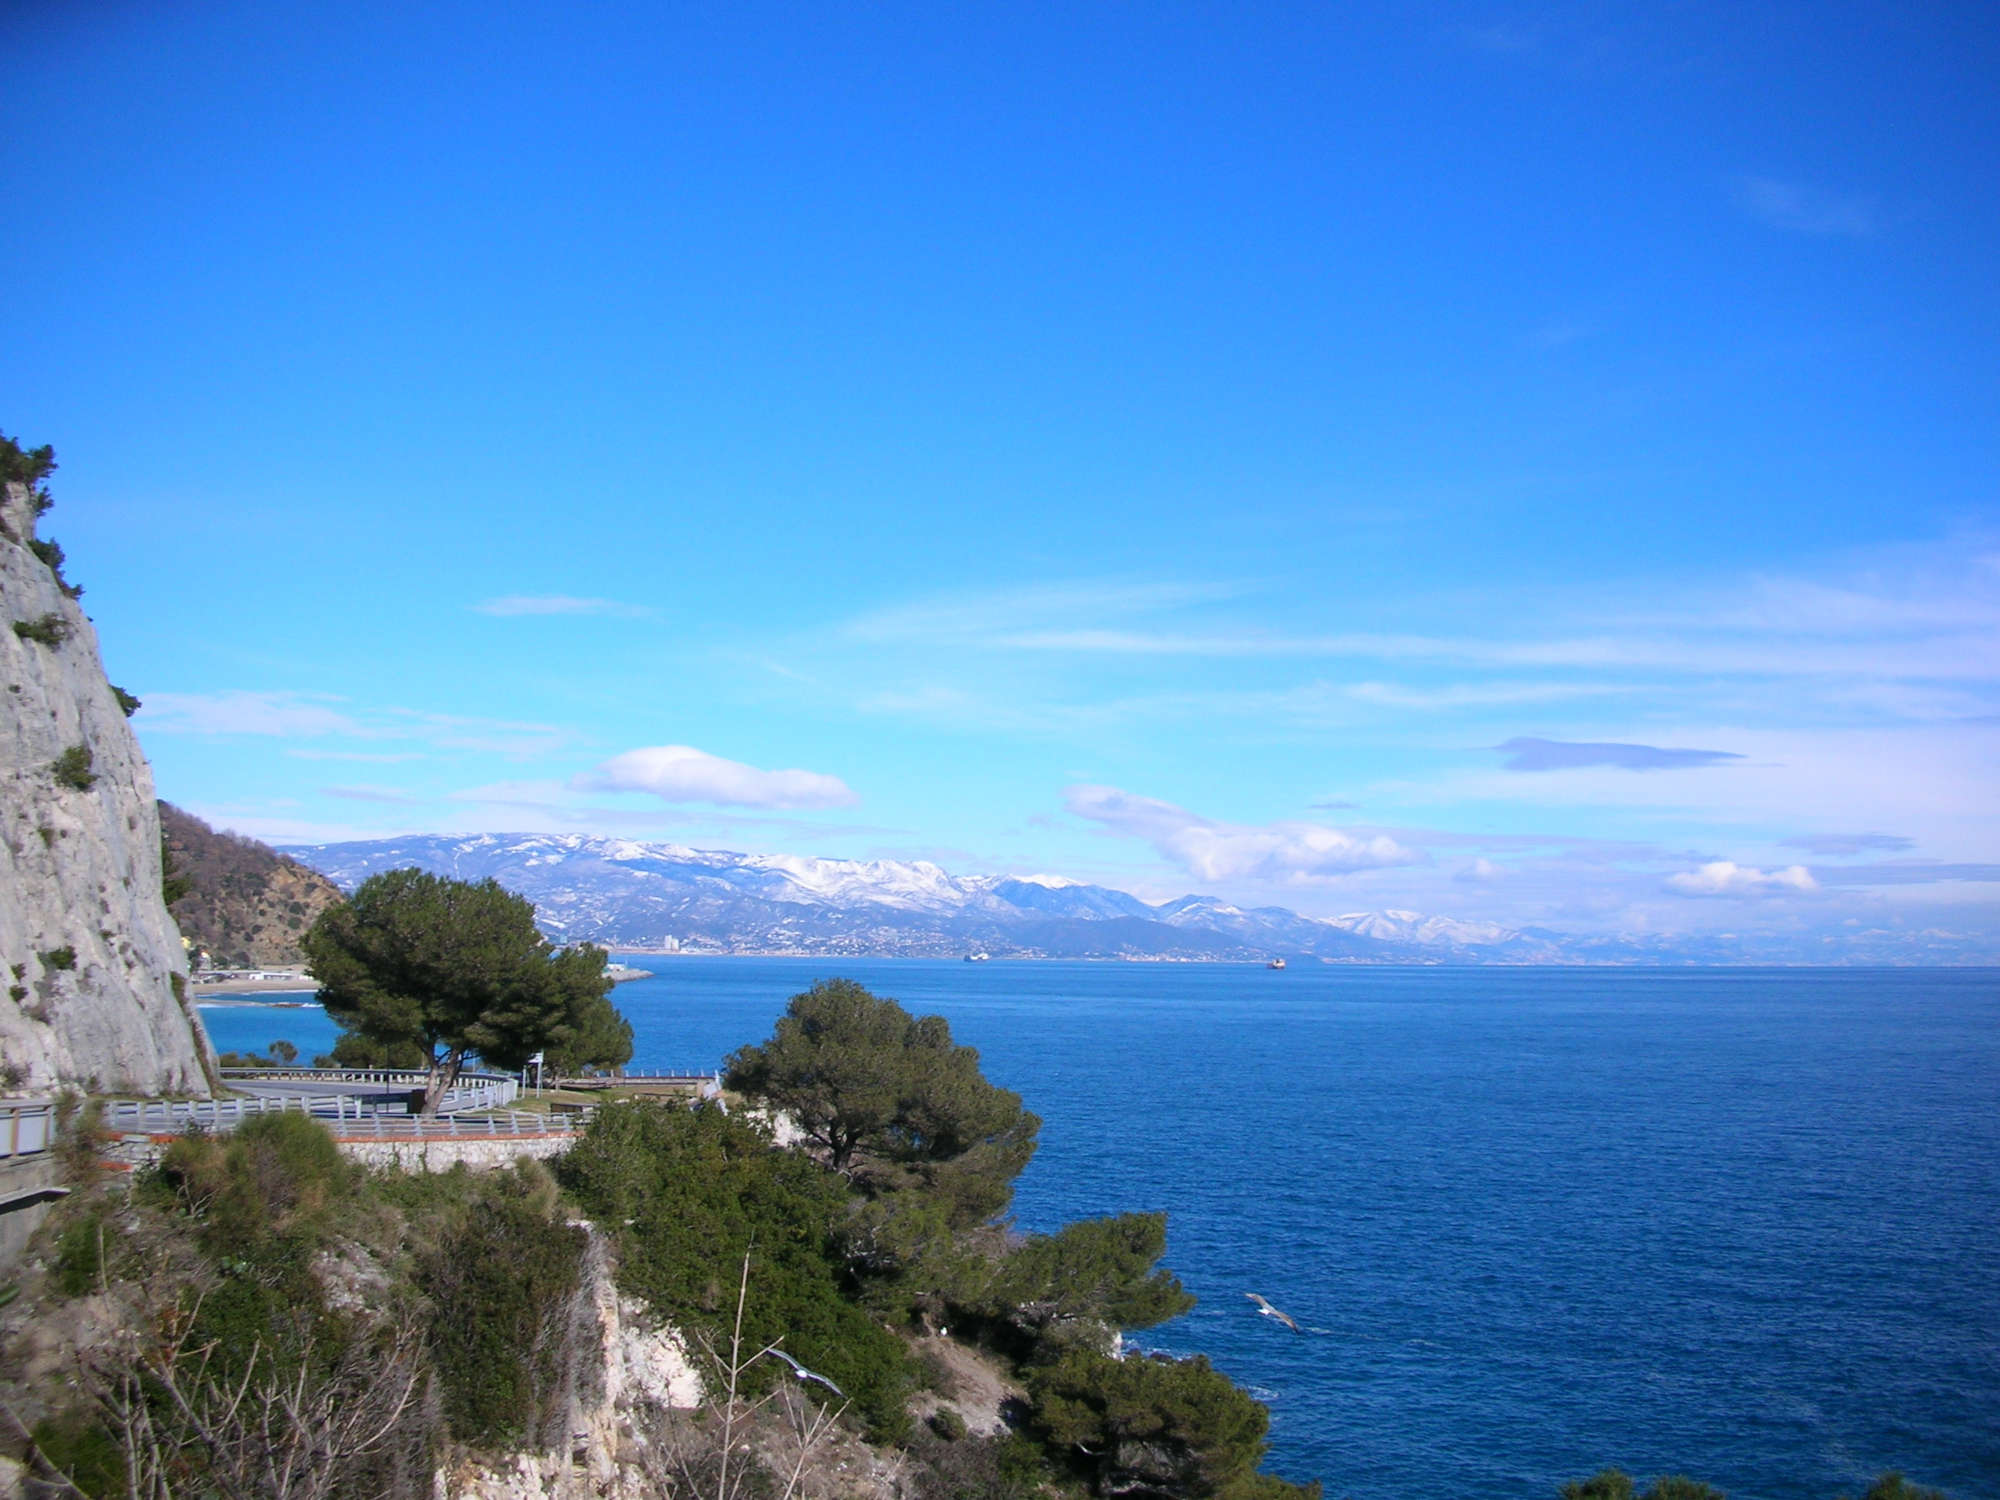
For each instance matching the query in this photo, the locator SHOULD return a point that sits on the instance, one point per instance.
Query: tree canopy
(448, 968)
(1157, 1425)
(891, 1099)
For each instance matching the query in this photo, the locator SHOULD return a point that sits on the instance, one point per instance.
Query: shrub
(29, 466)
(1174, 1425)
(50, 629)
(500, 1285)
(51, 553)
(264, 1194)
(72, 768)
(947, 1424)
(1100, 1270)
(697, 1190)
(1893, 1486)
(86, 1451)
(79, 1258)
(1616, 1484)
(59, 959)
(126, 702)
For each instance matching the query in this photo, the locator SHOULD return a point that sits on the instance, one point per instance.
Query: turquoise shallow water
(1744, 1224)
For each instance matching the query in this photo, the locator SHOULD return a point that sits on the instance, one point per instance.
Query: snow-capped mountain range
(629, 895)
(667, 897)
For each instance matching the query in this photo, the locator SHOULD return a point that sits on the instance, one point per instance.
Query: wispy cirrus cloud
(1848, 843)
(280, 714)
(1907, 872)
(1000, 616)
(1723, 877)
(681, 773)
(1525, 754)
(315, 716)
(512, 605)
(387, 796)
(1284, 853)
(1802, 209)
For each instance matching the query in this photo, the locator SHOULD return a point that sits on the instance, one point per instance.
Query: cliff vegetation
(237, 900)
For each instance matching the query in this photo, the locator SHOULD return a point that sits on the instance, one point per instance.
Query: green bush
(1172, 1425)
(499, 1286)
(49, 629)
(79, 1257)
(59, 959)
(29, 466)
(1095, 1270)
(1893, 1486)
(51, 554)
(86, 1451)
(695, 1191)
(128, 704)
(947, 1424)
(266, 1193)
(72, 769)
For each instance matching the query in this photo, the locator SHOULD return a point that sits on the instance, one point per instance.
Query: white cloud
(1279, 853)
(1805, 210)
(509, 605)
(312, 716)
(681, 773)
(286, 715)
(1723, 877)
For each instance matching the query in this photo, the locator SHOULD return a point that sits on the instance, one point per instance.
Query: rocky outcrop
(627, 1369)
(97, 977)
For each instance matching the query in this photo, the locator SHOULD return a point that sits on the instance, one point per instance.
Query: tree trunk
(443, 1074)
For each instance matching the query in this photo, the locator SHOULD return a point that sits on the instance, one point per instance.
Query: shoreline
(220, 990)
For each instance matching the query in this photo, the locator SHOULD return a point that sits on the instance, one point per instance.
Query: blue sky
(1533, 463)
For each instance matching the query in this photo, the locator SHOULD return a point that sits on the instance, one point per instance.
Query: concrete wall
(28, 1185)
(479, 1153)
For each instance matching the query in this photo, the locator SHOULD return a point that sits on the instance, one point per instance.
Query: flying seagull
(804, 1374)
(1271, 1312)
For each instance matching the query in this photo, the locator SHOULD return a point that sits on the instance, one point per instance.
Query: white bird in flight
(1271, 1312)
(804, 1374)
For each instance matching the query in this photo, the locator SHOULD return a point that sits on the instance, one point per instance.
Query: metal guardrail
(398, 1078)
(27, 1126)
(636, 1080)
(170, 1117)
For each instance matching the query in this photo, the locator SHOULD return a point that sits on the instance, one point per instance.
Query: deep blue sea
(1743, 1224)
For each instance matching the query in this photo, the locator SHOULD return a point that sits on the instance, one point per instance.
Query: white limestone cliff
(96, 978)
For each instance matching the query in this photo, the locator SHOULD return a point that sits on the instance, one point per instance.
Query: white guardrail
(27, 1126)
(345, 1116)
(506, 1086)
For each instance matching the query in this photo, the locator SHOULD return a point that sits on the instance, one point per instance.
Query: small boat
(977, 958)
(1276, 963)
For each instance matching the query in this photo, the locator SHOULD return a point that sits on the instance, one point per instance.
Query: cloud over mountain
(681, 773)
(1723, 877)
(1286, 852)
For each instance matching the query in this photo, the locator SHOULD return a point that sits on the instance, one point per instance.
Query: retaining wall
(442, 1153)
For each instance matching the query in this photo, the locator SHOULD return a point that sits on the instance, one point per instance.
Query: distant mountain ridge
(626, 894)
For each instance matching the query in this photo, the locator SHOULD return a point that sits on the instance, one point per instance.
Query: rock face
(631, 1369)
(97, 975)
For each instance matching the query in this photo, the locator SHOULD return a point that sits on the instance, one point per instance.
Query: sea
(1735, 1223)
